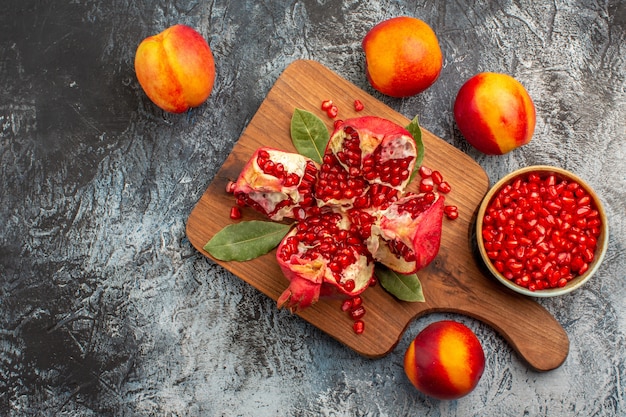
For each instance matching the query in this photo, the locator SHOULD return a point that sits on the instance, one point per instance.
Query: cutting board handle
(526, 325)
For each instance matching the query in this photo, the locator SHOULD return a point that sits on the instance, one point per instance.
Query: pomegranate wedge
(277, 183)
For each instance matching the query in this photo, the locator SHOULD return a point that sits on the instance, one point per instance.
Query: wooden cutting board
(455, 282)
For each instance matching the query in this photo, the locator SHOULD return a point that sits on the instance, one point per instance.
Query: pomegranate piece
(366, 156)
(322, 255)
(407, 235)
(276, 183)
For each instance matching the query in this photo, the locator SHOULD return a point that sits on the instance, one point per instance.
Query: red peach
(494, 113)
(445, 360)
(402, 56)
(175, 68)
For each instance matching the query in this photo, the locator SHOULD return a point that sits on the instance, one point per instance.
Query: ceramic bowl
(514, 179)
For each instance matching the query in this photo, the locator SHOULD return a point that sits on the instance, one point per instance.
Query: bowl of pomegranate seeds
(542, 231)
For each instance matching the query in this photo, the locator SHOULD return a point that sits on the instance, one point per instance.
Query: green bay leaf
(416, 131)
(403, 287)
(246, 240)
(309, 134)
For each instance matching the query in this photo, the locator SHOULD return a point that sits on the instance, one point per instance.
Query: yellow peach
(175, 68)
(445, 360)
(402, 56)
(494, 113)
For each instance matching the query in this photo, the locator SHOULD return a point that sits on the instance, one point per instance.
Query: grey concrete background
(107, 310)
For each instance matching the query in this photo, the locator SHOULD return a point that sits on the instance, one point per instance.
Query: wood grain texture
(454, 282)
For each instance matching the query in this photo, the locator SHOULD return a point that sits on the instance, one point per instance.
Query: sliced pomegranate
(350, 211)
(368, 161)
(407, 235)
(322, 255)
(276, 183)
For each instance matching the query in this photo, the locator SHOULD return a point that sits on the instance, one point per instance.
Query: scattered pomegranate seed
(230, 187)
(358, 106)
(444, 187)
(346, 305)
(541, 231)
(437, 177)
(356, 302)
(358, 326)
(425, 172)
(327, 105)
(235, 213)
(357, 313)
(332, 112)
(451, 212)
(426, 185)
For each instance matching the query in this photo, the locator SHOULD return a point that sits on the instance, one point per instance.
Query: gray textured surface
(106, 309)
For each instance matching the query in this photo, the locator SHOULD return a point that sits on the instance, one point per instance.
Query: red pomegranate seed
(357, 313)
(332, 112)
(358, 327)
(437, 177)
(356, 302)
(452, 212)
(346, 305)
(327, 104)
(230, 187)
(426, 185)
(358, 106)
(349, 284)
(235, 213)
(425, 172)
(444, 187)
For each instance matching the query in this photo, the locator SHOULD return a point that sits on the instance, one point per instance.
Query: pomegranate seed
(444, 187)
(332, 112)
(346, 305)
(437, 177)
(452, 212)
(327, 104)
(230, 187)
(425, 172)
(358, 326)
(358, 106)
(349, 284)
(426, 185)
(357, 313)
(235, 213)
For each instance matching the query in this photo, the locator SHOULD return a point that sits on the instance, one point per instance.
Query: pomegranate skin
(421, 233)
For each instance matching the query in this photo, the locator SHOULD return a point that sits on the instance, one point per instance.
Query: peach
(494, 113)
(402, 56)
(445, 360)
(175, 68)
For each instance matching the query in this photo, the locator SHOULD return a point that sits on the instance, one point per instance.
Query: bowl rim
(601, 244)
